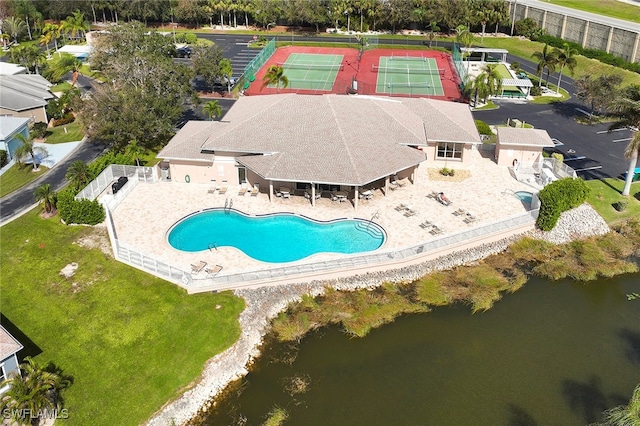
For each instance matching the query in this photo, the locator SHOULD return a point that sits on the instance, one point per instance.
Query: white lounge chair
(197, 267)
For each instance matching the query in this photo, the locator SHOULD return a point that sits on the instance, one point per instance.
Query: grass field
(18, 176)
(612, 8)
(606, 192)
(131, 341)
(58, 135)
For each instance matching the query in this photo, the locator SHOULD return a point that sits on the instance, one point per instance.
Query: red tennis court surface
(360, 71)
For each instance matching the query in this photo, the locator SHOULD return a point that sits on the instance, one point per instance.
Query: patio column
(355, 198)
(386, 185)
(313, 194)
(270, 191)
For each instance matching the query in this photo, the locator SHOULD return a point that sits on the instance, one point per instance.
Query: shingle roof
(524, 137)
(24, 91)
(187, 143)
(8, 344)
(351, 140)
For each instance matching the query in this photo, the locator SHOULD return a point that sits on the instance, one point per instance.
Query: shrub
(515, 66)
(190, 38)
(529, 28)
(39, 129)
(66, 119)
(483, 128)
(81, 212)
(557, 197)
(620, 205)
(535, 91)
(4, 158)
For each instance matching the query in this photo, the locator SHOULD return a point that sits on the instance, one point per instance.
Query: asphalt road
(23, 199)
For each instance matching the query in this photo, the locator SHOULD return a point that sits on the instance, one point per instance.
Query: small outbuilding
(521, 146)
(10, 128)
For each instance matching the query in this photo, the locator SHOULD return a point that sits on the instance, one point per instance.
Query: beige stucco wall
(526, 155)
(38, 114)
(432, 161)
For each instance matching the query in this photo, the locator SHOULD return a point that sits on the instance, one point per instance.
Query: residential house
(10, 127)
(25, 95)
(9, 347)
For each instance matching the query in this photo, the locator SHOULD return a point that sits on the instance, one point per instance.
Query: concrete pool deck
(143, 218)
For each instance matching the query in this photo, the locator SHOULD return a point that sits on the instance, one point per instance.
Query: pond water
(549, 354)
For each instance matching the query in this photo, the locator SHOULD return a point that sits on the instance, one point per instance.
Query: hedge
(81, 212)
(66, 119)
(483, 128)
(558, 197)
(4, 158)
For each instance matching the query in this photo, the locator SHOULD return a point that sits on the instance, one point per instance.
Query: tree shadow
(30, 347)
(585, 399)
(632, 340)
(65, 381)
(519, 417)
(568, 109)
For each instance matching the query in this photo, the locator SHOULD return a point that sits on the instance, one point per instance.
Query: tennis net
(407, 70)
(311, 67)
(408, 58)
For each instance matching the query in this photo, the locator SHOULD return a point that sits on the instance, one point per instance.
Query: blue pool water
(274, 238)
(524, 196)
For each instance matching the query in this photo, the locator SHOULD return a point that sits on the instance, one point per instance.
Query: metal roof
(520, 82)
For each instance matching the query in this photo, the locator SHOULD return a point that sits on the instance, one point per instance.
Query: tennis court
(408, 75)
(312, 71)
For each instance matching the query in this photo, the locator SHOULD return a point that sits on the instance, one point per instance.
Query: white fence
(111, 174)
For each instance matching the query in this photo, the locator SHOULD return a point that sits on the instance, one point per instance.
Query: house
(9, 347)
(7, 68)
(517, 146)
(25, 95)
(327, 143)
(10, 127)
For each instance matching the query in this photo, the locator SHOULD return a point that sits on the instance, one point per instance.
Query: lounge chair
(213, 271)
(435, 230)
(442, 199)
(242, 190)
(426, 224)
(433, 195)
(470, 218)
(197, 267)
(255, 190)
(400, 207)
(409, 212)
(459, 212)
(222, 189)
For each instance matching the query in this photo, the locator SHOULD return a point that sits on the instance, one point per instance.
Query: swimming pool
(524, 196)
(275, 238)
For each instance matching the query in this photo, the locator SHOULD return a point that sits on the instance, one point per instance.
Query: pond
(551, 353)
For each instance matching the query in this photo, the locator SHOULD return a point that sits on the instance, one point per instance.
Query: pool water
(274, 238)
(524, 196)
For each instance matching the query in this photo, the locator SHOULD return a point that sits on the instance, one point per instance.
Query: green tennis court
(312, 71)
(408, 75)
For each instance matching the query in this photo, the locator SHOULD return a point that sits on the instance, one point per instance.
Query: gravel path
(265, 303)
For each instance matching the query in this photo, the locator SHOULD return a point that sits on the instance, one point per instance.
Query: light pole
(513, 19)
(269, 24)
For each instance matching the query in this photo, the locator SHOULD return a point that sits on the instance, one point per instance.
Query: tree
(226, 71)
(433, 29)
(546, 60)
(624, 415)
(27, 148)
(480, 88)
(13, 26)
(64, 64)
(564, 57)
(37, 389)
(206, 62)
(212, 109)
(48, 197)
(135, 151)
(50, 32)
(29, 56)
(78, 174)
(597, 91)
(275, 76)
(626, 108)
(75, 26)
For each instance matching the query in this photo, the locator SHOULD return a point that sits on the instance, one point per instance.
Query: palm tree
(628, 415)
(78, 174)
(564, 57)
(27, 148)
(49, 197)
(136, 150)
(626, 108)
(275, 76)
(480, 88)
(433, 29)
(37, 389)
(50, 32)
(75, 25)
(13, 26)
(63, 64)
(546, 59)
(494, 79)
(212, 109)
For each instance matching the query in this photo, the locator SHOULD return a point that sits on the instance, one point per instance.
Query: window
(242, 175)
(2, 373)
(450, 150)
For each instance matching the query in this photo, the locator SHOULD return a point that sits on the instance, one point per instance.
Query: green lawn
(61, 87)
(58, 135)
(606, 192)
(612, 8)
(18, 176)
(585, 66)
(131, 341)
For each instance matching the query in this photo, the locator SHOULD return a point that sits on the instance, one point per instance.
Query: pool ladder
(228, 203)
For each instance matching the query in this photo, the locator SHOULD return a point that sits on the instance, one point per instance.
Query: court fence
(252, 68)
(458, 63)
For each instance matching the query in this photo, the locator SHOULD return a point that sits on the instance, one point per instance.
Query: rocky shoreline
(265, 303)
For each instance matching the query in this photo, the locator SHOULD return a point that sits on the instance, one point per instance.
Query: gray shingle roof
(187, 143)
(24, 91)
(8, 344)
(524, 137)
(351, 140)
(9, 125)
